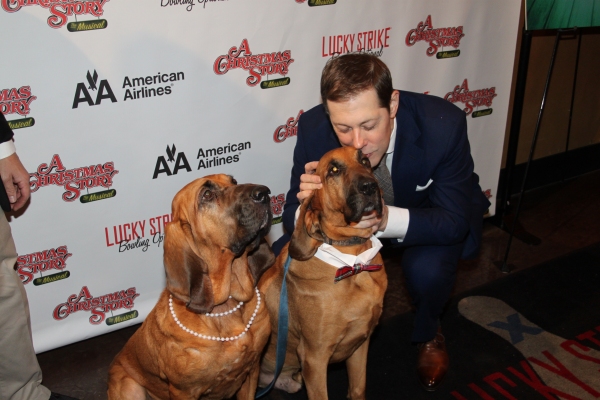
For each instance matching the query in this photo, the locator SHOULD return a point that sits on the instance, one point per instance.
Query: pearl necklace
(241, 303)
(218, 338)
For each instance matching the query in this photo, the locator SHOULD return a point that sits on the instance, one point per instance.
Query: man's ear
(307, 234)
(394, 103)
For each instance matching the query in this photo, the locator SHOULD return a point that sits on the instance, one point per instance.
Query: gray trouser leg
(20, 374)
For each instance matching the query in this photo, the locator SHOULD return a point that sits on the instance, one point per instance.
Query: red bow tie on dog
(344, 272)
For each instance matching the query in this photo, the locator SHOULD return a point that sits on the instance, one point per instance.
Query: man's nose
(358, 141)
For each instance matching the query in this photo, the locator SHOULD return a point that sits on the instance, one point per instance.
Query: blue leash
(282, 330)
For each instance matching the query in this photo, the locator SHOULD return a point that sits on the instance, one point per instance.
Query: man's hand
(309, 181)
(372, 221)
(16, 180)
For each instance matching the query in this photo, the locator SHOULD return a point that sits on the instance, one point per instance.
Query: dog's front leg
(121, 386)
(356, 365)
(248, 389)
(314, 370)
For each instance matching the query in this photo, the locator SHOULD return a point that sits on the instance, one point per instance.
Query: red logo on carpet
(45, 261)
(75, 180)
(290, 129)
(257, 65)
(99, 306)
(567, 370)
(472, 99)
(61, 10)
(371, 42)
(440, 37)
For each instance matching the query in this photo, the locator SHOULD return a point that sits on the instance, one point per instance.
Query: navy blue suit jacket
(431, 143)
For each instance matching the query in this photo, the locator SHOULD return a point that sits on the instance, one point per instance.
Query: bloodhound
(331, 316)
(204, 337)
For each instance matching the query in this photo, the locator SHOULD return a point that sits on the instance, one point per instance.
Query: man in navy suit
(434, 205)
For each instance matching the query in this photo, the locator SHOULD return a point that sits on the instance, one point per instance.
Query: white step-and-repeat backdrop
(118, 104)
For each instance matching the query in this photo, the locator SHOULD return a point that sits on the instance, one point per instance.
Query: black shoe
(57, 396)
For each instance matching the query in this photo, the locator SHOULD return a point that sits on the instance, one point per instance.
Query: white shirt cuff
(397, 224)
(7, 149)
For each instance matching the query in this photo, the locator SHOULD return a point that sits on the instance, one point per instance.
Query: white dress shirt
(398, 218)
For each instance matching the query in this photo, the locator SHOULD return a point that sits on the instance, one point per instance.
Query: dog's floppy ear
(187, 273)
(307, 234)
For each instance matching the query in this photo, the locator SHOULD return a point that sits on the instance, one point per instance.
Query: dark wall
(585, 127)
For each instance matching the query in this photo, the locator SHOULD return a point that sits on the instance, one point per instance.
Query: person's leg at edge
(20, 374)
(430, 273)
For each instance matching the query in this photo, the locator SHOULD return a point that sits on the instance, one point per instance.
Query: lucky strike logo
(440, 37)
(29, 265)
(98, 306)
(132, 235)
(257, 65)
(75, 180)
(61, 10)
(290, 129)
(472, 99)
(371, 42)
(488, 193)
(277, 203)
(17, 101)
(189, 4)
(208, 158)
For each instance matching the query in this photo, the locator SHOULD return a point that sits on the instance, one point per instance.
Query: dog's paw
(265, 379)
(289, 380)
(286, 383)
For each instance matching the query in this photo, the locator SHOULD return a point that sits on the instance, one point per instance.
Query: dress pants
(430, 273)
(20, 374)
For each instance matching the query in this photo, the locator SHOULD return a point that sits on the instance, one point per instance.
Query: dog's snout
(367, 187)
(260, 194)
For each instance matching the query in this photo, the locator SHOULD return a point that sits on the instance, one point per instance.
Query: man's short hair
(350, 74)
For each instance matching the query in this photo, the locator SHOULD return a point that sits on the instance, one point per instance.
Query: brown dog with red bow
(204, 337)
(332, 312)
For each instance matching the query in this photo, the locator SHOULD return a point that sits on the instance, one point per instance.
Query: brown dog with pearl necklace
(204, 337)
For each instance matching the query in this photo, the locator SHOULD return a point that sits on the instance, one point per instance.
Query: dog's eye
(365, 161)
(208, 195)
(334, 170)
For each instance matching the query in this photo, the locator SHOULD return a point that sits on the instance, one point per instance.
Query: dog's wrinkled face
(349, 186)
(232, 216)
(349, 191)
(214, 245)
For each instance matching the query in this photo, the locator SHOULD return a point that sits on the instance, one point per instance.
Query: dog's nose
(367, 188)
(260, 194)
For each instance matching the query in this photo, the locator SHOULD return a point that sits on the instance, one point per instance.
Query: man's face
(362, 123)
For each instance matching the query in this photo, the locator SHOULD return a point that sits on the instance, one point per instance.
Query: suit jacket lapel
(407, 161)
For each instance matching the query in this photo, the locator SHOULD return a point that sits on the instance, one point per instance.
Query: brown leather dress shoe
(432, 363)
